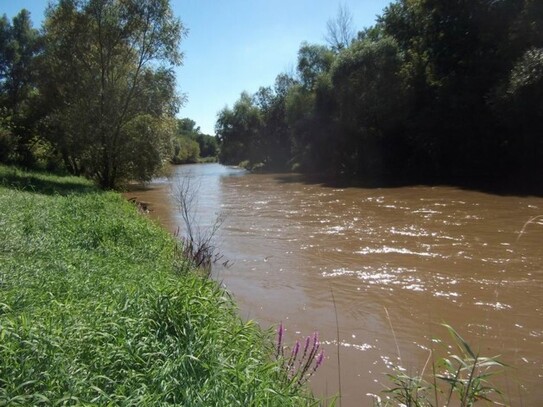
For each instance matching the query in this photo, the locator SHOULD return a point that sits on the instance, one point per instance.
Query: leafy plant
(467, 373)
(461, 379)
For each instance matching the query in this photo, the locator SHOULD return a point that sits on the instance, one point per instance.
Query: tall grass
(96, 310)
(459, 379)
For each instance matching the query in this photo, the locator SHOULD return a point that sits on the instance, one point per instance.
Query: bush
(186, 151)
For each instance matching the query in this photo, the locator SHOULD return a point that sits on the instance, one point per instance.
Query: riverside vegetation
(96, 304)
(433, 92)
(96, 309)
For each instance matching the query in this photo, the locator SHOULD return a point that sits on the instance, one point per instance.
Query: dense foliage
(434, 91)
(97, 308)
(94, 91)
(190, 144)
(19, 45)
(112, 104)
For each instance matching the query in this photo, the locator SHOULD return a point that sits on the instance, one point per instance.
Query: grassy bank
(95, 309)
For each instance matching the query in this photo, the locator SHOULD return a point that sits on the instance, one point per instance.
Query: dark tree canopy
(20, 44)
(190, 144)
(435, 91)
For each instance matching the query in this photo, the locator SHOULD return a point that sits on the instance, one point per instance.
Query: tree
(339, 31)
(187, 127)
(455, 55)
(255, 130)
(207, 145)
(19, 50)
(147, 141)
(107, 74)
(276, 132)
(19, 46)
(313, 60)
(238, 130)
(186, 150)
(372, 102)
(436, 91)
(518, 107)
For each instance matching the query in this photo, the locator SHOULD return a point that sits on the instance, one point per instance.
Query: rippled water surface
(398, 262)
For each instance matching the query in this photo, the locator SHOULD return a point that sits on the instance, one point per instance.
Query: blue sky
(237, 45)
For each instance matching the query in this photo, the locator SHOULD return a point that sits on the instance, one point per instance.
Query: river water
(393, 264)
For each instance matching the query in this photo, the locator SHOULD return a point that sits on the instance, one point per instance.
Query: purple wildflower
(296, 350)
(299, 368)
(319, 359)
(280, 332)
(293, 355)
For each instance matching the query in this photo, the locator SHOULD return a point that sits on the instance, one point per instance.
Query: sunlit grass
(96, 309)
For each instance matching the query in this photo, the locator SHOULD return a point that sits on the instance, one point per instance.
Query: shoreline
(156, 198)
(113, 313)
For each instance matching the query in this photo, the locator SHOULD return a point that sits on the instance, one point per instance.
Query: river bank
(97, 308)
(410, 257)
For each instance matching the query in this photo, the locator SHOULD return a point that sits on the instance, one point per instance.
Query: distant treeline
(190, 145)
(435, 91)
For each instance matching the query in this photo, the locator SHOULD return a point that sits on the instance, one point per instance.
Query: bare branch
(339, 31)
(198, 245)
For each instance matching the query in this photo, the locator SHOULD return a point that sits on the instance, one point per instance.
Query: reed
(458, 379)
(338, 348)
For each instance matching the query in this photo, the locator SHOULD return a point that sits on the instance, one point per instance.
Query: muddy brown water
(398, 263)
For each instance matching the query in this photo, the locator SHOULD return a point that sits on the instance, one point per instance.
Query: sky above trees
(238, 45)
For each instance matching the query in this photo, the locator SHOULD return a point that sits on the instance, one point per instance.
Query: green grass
(95, 309)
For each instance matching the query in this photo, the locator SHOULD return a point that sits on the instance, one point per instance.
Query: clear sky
(237, 45)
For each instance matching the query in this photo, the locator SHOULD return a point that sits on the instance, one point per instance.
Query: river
(393, 264)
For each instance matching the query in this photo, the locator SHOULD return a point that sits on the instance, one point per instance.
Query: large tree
(238, 130)
(435, 91)
(372, 105)
(19, 44)
(107, 73)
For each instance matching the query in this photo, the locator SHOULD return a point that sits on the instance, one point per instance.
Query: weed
(197, 241)
(460, 379)
(299, 364)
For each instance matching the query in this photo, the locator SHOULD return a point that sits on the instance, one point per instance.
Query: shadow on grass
(43, 183)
